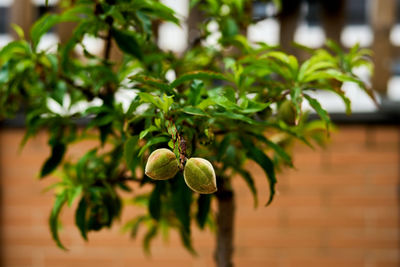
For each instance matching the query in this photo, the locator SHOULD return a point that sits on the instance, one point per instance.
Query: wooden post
(333, 18)
(65, 29)
(289, 19)
(382, 15)
(22, 15)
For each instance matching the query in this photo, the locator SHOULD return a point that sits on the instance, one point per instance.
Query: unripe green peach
(200, 176)
(162, 164)
(287, 112)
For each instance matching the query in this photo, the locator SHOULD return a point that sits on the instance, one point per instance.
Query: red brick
(339, 207)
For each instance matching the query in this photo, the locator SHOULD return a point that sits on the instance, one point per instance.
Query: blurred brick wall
(340, 207)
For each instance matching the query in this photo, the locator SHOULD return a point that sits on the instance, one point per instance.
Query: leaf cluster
(227, 102)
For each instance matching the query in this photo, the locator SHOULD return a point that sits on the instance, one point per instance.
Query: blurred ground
(340, 207)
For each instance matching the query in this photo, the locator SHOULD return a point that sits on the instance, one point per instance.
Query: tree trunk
(225, 224)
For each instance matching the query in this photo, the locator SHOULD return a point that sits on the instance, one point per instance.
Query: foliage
(223, 106)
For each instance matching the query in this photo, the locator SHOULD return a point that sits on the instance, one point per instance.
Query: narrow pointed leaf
(155, 200)
(150, 235)
(80, 217)
(265, 163)
(250, 183)
(181, 201)
(203, 208)
(320, 111)
(201, 75)
(61, 199)
(127, 42)
(57, 154)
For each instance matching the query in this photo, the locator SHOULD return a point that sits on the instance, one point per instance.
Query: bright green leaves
(288, 61)
(152, 8)
(226, 104)
(318, 108)
(320, 61)
(48, 21)
(42, 26)
(163, 103)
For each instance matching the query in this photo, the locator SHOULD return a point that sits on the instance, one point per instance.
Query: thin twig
(107, 50)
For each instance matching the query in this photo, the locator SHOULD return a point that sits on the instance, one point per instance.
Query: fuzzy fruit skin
(199, 176)
(287, 112)
(162, 164)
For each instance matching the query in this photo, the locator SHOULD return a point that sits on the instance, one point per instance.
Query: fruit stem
(178, 138)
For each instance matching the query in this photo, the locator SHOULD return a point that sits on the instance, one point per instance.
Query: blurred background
(339, 207)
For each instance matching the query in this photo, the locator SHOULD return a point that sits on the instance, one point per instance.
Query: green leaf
(224, 102)
(155, 200)
(80, 217)
(130, 152)
(229, 27)
(134, 224)
(234, 116)
(57, 154)
(341, 94)
(127, 42)
(154, 8)
(310, 66)
(187, 241)
(153, 141)
(18, 30)
(181, 201)
(43, 25)
(295, 94)
(320, 111)
(163, 103)
(80, 166)
(265, 163)
(278, 149)
(46, 22)
(150, 81)
(288, 60)
(150, 235)
(250, 183)
(223, 145)
(197, 75)
(253, 106)
(334, 46)
(73, 193)
(194, 111)
(14, 48)
(143, 133)
(194, 96)
(61, 199)
(203, 208)
(149, 98)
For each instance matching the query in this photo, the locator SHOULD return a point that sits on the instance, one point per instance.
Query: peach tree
(228, 103)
